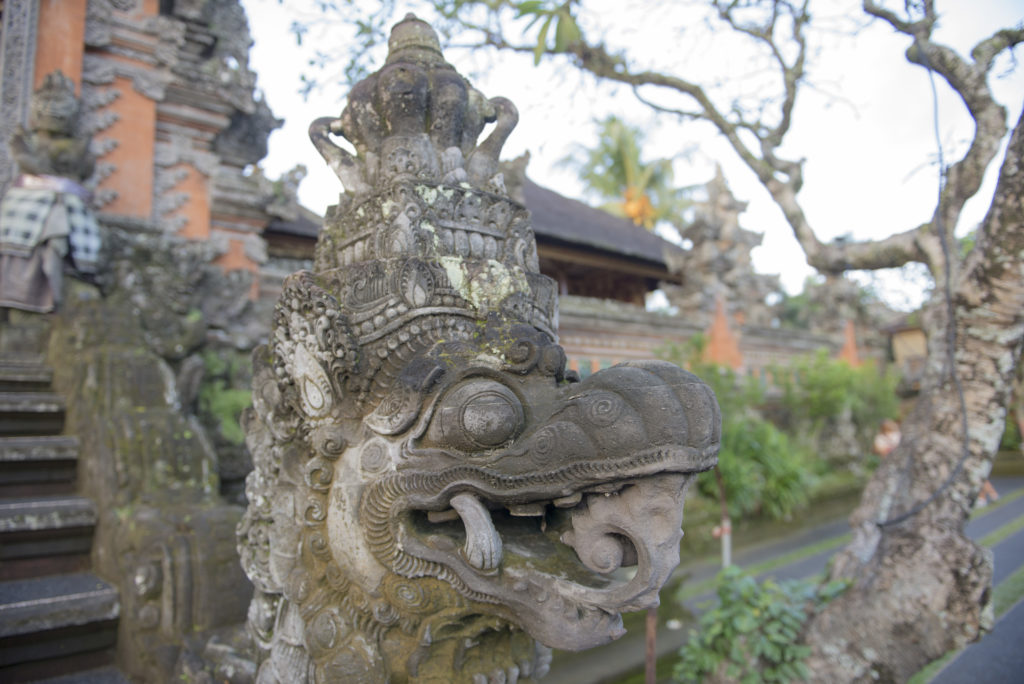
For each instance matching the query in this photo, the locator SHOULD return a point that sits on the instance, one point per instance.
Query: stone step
(34, 465)
(46, 513)
(31, 413)
(55, 620)
(45, 535)
(38, 449)
(103, 675)
(23, 375)
(45, 603)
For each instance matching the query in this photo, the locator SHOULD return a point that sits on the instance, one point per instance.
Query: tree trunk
(920, 587)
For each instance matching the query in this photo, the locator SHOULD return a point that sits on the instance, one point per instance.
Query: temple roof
(555, 217)
(306, 224)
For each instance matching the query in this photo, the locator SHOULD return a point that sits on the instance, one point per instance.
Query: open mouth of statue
(480, 529)
(572, 563)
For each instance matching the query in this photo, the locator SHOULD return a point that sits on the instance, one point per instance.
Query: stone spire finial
(414, 40)
(416, 118)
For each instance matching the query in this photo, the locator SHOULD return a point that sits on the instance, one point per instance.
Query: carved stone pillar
(436, 498)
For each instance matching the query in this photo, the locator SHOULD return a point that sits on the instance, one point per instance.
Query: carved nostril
(604, 555)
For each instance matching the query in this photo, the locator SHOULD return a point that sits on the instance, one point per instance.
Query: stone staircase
(57, 619)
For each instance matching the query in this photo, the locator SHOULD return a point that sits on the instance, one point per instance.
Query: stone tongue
(644, 518)
(483, 543)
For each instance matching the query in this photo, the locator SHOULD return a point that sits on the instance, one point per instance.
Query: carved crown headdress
(425, 243)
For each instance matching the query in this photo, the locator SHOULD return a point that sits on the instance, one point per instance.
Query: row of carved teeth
(535, 509)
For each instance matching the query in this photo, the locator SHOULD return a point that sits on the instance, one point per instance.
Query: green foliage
(753, 634)
(967, 242)
(817, 389)
(797, 311)
(762, 468)
(567, 32)
(225, 392)
(226, 406)
(817, 302)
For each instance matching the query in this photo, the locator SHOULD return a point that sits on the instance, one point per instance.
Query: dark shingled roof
(306, 225)
(572, 222)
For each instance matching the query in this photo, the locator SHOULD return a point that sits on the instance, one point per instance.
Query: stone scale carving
(435, 497)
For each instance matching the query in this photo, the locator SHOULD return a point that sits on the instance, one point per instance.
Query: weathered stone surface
(164, 534)
(435, 497)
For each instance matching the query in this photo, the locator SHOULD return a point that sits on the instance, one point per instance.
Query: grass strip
(769, 564)
(1007, 530)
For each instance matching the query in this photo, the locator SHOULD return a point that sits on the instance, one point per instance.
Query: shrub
(824, 399)
(763, 469)
(753, 634)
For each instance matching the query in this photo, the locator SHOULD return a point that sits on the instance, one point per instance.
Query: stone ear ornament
(436, 497)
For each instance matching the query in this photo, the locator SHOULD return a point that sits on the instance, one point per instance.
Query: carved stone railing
(435, 497)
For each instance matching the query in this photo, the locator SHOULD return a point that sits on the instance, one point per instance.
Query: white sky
(866, 129)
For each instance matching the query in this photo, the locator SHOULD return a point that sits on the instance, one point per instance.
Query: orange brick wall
(61, 40)
(197, 210)
(135, 132)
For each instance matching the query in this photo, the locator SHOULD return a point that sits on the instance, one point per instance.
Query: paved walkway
(996, 659)
(1002, 653)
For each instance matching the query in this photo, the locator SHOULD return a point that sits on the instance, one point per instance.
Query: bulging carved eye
(478, 414)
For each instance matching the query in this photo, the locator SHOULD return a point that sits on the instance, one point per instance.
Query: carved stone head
(435, 497)
(55, 109)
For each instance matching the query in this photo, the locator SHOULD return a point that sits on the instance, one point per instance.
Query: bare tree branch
(779, 26)
(986, 50)
(970, 82)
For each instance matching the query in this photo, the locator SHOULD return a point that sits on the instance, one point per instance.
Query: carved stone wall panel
(17, 64)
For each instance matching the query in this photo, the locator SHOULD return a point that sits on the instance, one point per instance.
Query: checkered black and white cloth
(30, 216)
(23, 220)
(84, 234)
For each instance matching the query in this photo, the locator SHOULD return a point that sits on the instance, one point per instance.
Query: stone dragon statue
(436, 498)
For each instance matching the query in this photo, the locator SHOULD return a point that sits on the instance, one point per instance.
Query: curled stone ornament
(436, 498)
(602, 409)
